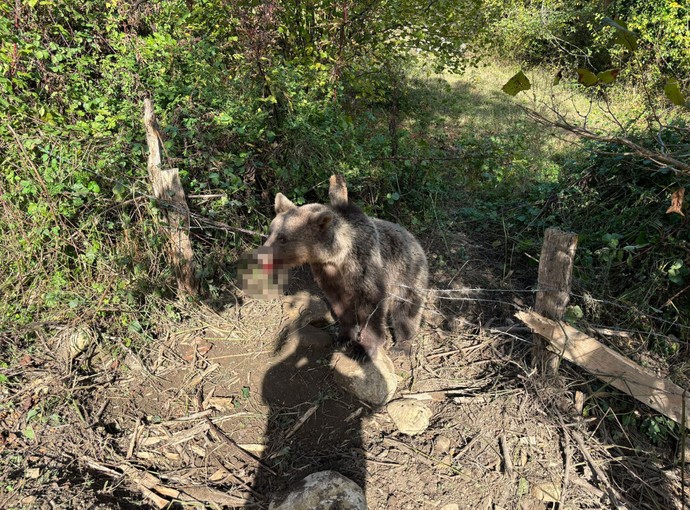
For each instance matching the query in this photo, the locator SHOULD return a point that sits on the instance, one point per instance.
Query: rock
(441, 445)
(547, 492)
(372, 381)
(451, 506)
(324, 490)
(410, 416)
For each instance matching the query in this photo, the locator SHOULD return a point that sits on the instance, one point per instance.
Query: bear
(370, 270)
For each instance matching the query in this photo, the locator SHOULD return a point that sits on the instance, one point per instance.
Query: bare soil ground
(229, 405)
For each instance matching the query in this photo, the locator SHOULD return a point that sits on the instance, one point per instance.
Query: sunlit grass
(454, 108)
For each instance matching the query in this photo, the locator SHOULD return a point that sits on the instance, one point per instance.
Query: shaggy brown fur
(368, 268)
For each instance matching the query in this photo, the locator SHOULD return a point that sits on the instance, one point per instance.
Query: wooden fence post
(167, 188)
(553, 289)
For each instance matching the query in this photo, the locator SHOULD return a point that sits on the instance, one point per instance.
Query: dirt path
(230, 406)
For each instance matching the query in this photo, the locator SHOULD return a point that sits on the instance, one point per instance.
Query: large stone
(372, 381)
(325, 490)
(410, 416)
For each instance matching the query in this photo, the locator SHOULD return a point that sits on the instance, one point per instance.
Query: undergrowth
(79, 230)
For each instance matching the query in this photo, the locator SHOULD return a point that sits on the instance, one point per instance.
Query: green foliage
(581, 34)
(550, 32)
(659, 429)
(662, 27)
(250, 96)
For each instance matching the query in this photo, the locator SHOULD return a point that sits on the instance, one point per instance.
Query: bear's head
(300, 235)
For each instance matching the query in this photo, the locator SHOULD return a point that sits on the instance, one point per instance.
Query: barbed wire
(447, 295)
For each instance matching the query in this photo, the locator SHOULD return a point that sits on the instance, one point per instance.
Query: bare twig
(568, 453)
(662, 160)
(302, 421)
(138, 427)
(218, 432)
(424, 457)
(96, 417)
(507, 457)
(234, 476)
(613, 496)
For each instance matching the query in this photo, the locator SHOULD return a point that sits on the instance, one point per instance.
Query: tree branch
(662, 160)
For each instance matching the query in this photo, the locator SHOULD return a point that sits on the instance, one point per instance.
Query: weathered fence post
(167, 188)
(553, 289)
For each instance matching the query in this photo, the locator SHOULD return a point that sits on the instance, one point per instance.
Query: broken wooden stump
(553, 289)
(167, 189)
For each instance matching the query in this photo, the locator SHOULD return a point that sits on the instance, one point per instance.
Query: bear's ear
(337, 191)
(283, 204)
(323, 220)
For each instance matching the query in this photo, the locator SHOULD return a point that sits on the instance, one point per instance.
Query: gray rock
(441, 445)
(410, 416)
(325, 490)
(372, 381)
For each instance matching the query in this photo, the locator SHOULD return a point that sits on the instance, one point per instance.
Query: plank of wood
(553, 290)
(611, 367)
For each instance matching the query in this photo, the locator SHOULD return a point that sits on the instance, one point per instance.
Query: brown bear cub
(370, 270)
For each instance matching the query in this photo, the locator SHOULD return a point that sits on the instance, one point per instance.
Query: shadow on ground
(312, 425)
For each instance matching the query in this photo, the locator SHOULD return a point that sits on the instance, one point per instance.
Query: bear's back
(402, 254)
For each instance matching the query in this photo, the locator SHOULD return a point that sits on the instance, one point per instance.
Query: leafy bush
(553, 32)
(250, 97)
(663, 30)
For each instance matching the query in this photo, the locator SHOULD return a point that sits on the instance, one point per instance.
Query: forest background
(256, 97)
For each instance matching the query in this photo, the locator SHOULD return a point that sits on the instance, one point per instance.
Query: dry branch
(613, 495)
(301, 421)
(659, 158)
(620, 372)
(507, 457)
(236, 447)
(418, 454)
(157, 492)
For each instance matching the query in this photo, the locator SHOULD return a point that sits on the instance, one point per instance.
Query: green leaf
(573, 314)
(245, 391)
(672, 91)
(586, 77)
(676, 272)
(119, 191)
(29, 433)
(608, 76)
(523, 486)
(624, 37)
(516, 84)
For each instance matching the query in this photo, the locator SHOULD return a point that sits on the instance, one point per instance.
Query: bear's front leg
(348, 331)
(372, 323)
